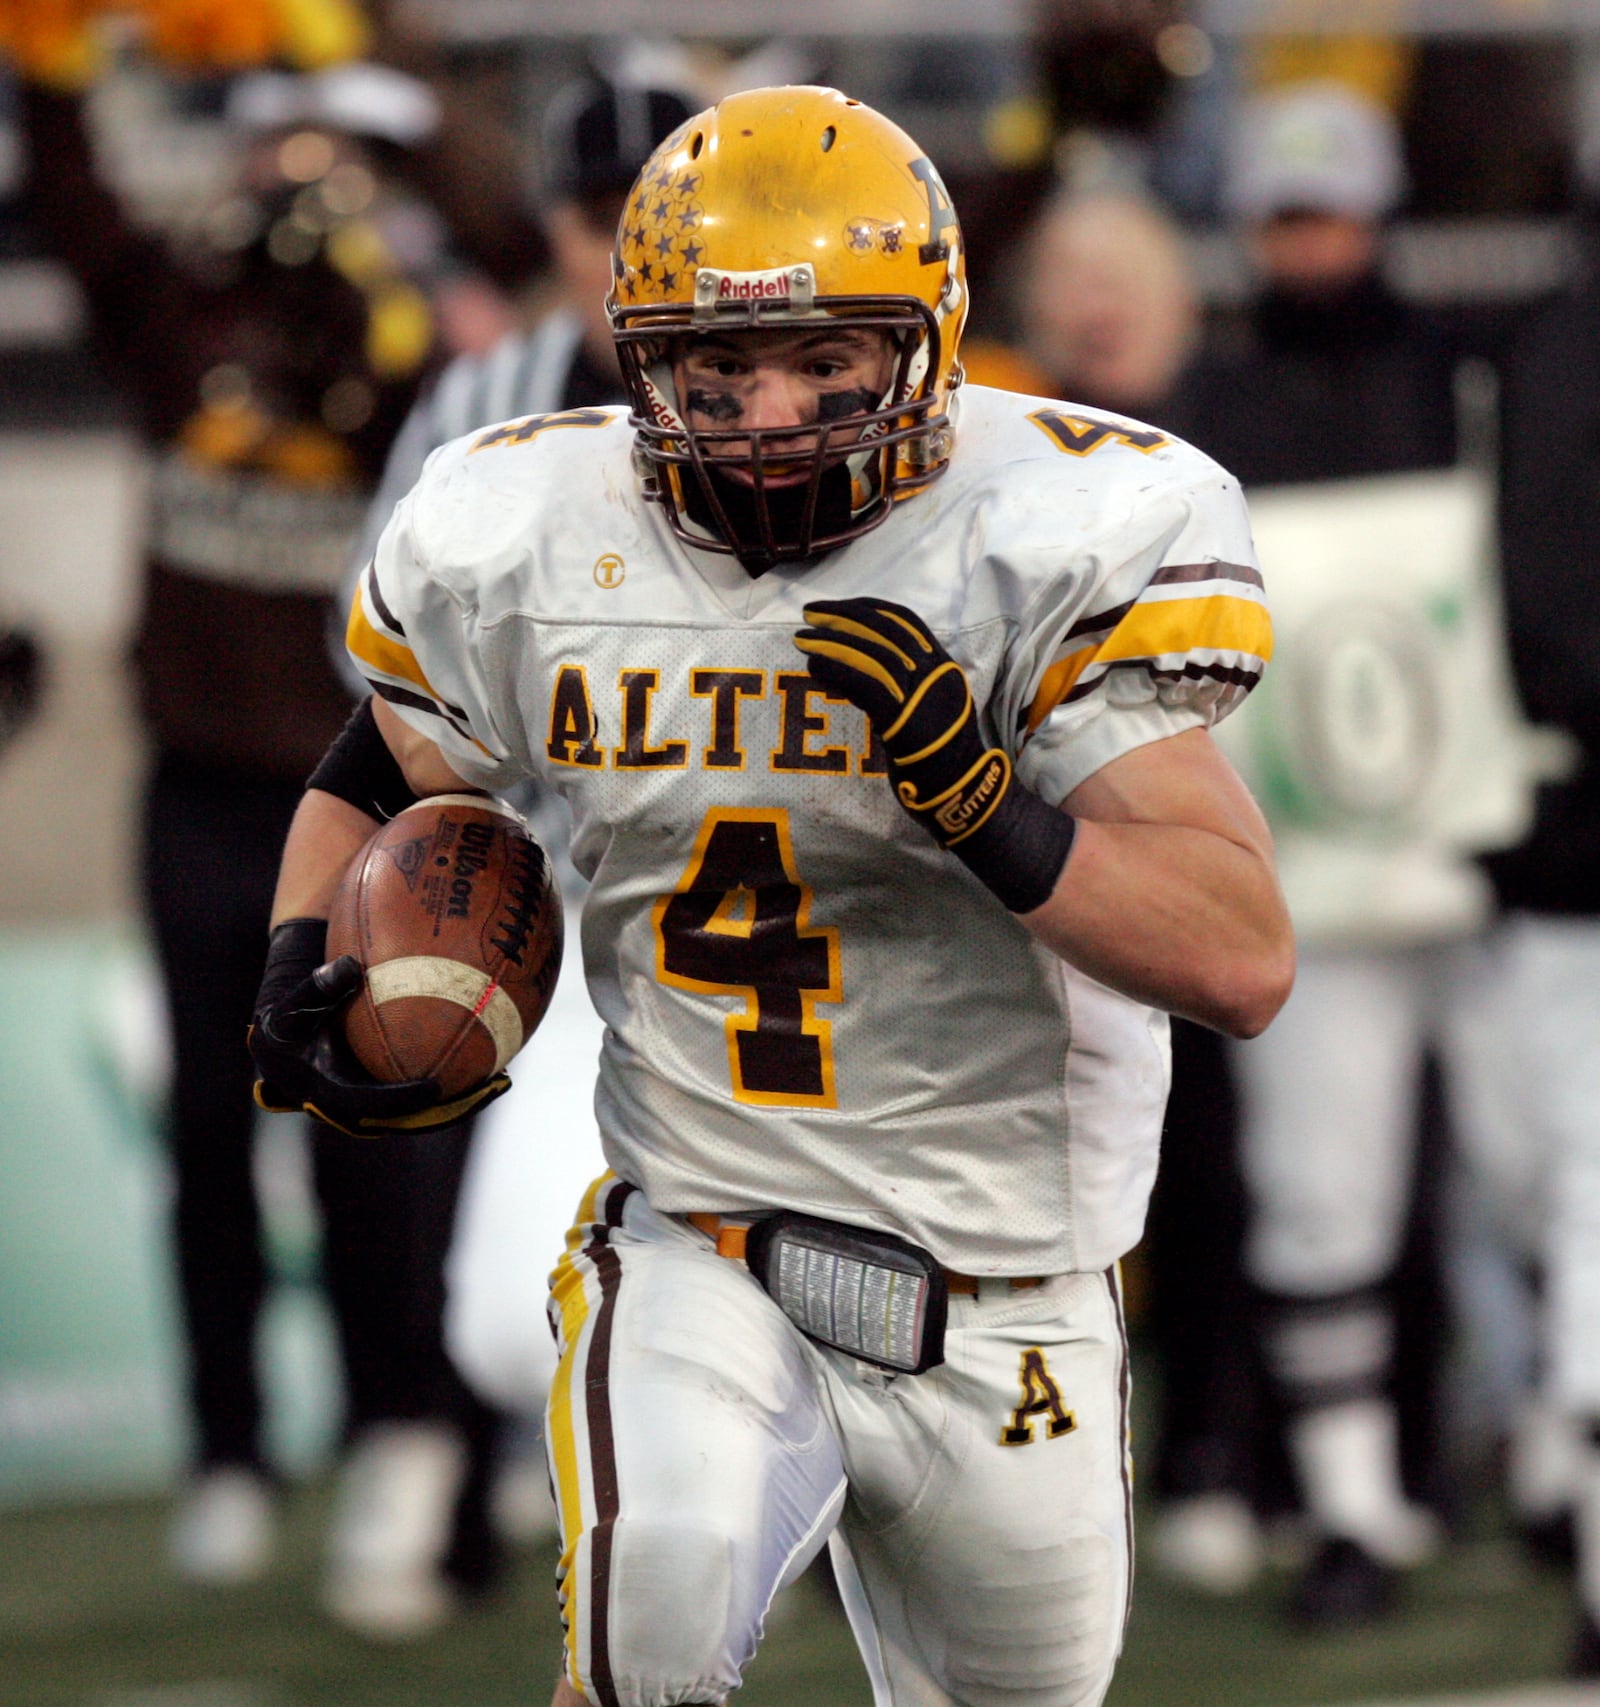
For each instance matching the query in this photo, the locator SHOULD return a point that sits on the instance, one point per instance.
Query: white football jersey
(808, 1003)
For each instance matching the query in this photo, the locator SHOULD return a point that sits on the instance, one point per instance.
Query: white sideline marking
(1525, 1695)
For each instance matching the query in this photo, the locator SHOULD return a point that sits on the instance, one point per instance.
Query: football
(453, 913)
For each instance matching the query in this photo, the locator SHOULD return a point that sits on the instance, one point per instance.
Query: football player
(885, 737)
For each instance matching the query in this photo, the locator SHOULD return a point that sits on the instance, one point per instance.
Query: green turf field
(89, 1618)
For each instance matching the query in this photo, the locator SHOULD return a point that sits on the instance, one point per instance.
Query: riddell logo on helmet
(752, 286)
(789, 289)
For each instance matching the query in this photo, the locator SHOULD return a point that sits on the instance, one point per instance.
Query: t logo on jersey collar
(775, 292)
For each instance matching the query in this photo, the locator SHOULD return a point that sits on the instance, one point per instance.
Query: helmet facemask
(858, 460)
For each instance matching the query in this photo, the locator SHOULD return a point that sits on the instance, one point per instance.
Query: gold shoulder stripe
(1162, 629)
(1220, 623)
(377, 651)
(380, 655)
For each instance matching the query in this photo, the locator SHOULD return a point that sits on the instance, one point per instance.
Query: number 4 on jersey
(1079, 433)
(739, 925)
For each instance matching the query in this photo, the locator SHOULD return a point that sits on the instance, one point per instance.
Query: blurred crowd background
(258, 257)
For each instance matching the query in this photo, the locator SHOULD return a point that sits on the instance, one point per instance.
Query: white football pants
(703, 1450)
(1526, 1057)
(1328, 1097)
(1329, 1107)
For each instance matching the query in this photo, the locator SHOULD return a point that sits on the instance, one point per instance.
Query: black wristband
(360, 769)
(1019, 849)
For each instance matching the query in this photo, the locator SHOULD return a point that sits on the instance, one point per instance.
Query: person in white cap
(1329, 374)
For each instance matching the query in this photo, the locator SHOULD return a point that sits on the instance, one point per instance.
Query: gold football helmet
(774, 209)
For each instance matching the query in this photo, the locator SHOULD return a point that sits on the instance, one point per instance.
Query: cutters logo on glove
(975, 798)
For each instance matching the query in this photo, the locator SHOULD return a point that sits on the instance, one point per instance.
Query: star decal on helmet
(659, 242)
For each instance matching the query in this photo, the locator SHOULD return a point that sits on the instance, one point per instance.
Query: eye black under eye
(835, 405)
(715, 405)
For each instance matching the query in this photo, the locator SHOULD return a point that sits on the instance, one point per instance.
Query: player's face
(769, 380)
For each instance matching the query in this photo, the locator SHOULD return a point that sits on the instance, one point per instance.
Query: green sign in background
(91, 1401)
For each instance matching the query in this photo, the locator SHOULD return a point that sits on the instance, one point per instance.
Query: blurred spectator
(1109, 311)
(1329, 378)
(596, 137)
(1329, 374)
(1530, 1117)
(268, 366)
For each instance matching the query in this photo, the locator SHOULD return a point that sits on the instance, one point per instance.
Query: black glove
(305, 1065)
(885, 659)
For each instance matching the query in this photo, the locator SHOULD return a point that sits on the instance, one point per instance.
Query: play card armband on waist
(871, 1295)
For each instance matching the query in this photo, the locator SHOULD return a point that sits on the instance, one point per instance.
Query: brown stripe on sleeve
(379, 604)
(1108, 618)
(1172, 574)
(1230, 673)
